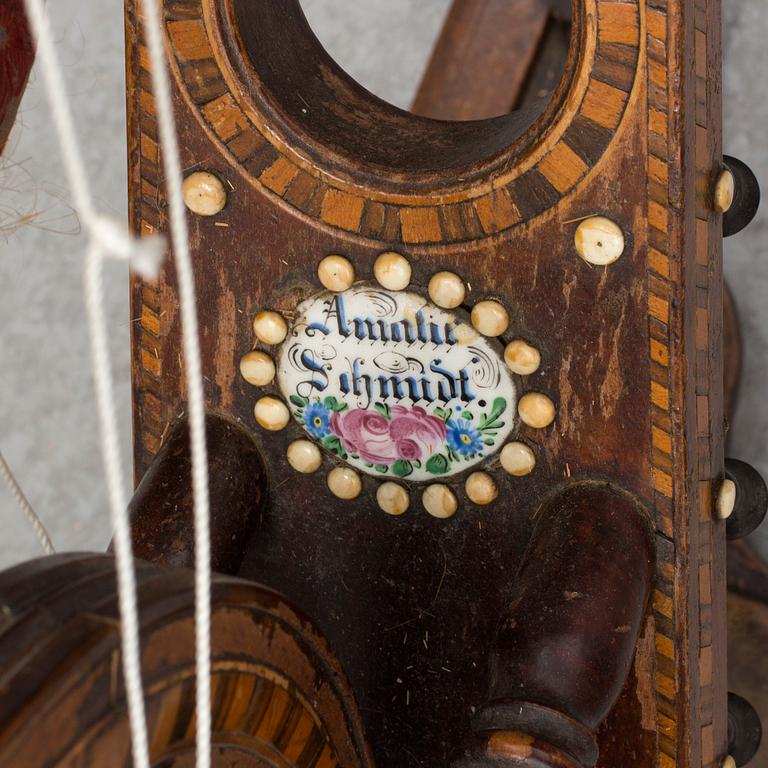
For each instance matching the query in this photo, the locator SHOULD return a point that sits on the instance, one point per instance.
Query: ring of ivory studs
(446, 290)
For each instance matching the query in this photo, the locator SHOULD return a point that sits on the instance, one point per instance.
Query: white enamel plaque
(395, 385)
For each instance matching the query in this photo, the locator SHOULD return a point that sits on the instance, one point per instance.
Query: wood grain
(630, 354)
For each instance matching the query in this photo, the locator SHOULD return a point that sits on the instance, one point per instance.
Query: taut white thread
(195, 396)
(26, 507)
(105, 242)
(107, 239)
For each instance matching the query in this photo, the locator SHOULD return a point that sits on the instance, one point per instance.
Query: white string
(37, 524)
(107, 239)
(194, 378)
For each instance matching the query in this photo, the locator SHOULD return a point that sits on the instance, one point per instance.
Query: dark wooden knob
(751, 499)
(746, 197)
(567, 641)
(162, 507)
(745, 731)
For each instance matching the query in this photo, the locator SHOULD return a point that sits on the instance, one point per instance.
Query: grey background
(48, 428)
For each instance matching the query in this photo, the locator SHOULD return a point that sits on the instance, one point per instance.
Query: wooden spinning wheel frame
(618, 505)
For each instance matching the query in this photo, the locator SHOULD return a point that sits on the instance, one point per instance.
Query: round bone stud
(481, 488)
(336, 273)
(393, 271)
(490, 318)
(392, 498)
(517, 459)
(344, 483)
(447, 290)
(203, 193)
(729, 762)
(599, 241)
(536, 410)
(440, 501)
(304, 456)
(726, 499)
(270, 328)
(725, 190)
(257, 368)
(272, 414)
(522, 358)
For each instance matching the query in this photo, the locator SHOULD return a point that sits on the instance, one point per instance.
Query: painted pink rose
(410, 435)
(365, 433)
(415, 433)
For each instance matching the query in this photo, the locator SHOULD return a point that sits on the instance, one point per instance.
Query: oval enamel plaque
(394, 385)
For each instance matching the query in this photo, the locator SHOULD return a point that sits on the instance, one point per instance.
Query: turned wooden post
(162, 507)
(568, 637)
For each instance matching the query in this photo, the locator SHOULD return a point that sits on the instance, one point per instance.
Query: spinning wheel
(465, 394)
(280, 698)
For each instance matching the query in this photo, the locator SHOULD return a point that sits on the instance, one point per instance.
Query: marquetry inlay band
(478, 207)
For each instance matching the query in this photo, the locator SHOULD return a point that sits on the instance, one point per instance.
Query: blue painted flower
(317, 420)
(463, 438)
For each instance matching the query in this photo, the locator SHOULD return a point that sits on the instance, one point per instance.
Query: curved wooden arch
(543, 164)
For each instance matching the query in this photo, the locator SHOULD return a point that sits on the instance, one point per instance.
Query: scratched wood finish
(17, 53)
(453, 87)
(631, 354)
(280, 698)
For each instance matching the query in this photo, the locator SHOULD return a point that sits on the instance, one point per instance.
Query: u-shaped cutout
(297, 126)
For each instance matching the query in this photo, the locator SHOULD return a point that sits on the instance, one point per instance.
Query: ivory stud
(336, 273)
(536, 410)
(272, 414)
(517, 459)
(393, 271)
(447, 290)
(490, 318)
(392, 498)
(270, 328)
(599, 241)
(522, 358)
(203, 193)
(304, 456)
(481, 488)
(257, 368)
(726, 499)
(729, 762)
(344, 483)
(440, 501)
(725, 188)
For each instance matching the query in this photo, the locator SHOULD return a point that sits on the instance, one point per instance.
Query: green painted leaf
(468, 415)
(383, 409)
(332, 443)
(332, 404)
(402, 468)
(491, 420)
(488, 441)
(299, 401)
(443, 414)
(438, 464)
(383, 468)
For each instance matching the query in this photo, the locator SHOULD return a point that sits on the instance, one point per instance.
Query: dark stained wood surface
(279, 697)
(162, 516)
(17, 54)
(631, 354)
(470, 76)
